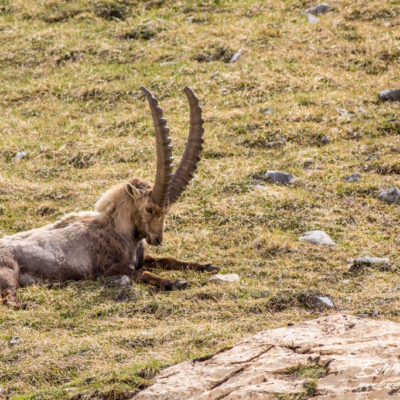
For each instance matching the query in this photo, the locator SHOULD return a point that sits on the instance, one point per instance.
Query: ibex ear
(133, 192)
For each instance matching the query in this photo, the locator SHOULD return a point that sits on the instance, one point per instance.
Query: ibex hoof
(212, 268)
(180, 285)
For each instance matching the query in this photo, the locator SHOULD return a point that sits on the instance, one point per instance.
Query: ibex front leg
(168, 263)
(162, 283)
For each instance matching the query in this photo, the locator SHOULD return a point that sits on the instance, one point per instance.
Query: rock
(317, 237)
(311, 19)
(355, 177)
(339, 356)
(369, 260)
(308, 162)
(325, 139)
(222, 279)
(273, 144)
(390, 95)
(323, 302)
(236, 56)
(19, 156)
(124, 280)
(15, 340)
(318, 9)
(382, 264)
(260, 187)
(267, 111)
(280, 177)
(391, 195)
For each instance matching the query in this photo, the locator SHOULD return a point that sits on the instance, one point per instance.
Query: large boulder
(333, 357)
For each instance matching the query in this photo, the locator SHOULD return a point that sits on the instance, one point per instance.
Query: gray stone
(124, 280)
(15, 340)
(381, 264)
(325, 139)
(267, 111)
(276, 143)
(223, 279)
(311, 19)
(391, 195)
(369, 260)
(20, 156)
(308, 162)
(236, 56)
(317, 237)
(355, 177)
(390, 95)
(280, 177)
(323, 302)
(319, 9)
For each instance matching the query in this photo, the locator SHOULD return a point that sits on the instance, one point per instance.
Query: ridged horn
(194, 145)
(161, 187)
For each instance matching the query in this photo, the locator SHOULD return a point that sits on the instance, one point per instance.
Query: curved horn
(162, 182)
(191, 156)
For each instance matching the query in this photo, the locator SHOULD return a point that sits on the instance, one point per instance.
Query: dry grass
(69, 78)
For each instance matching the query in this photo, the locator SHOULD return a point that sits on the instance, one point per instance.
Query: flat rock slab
(360, 358)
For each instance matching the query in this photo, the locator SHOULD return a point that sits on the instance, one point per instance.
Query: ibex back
(112, 239)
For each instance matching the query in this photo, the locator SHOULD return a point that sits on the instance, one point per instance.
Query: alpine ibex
(112, 239)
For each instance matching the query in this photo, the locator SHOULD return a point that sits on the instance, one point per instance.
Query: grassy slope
(69, 98)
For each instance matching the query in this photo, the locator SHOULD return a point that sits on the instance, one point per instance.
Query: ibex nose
(157, 241)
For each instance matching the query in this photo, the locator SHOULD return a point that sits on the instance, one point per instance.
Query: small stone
(319, 9)
(390, 95)
(317, 237)
(346, 280)
(15, 340)
(216, 75)
(222, 279)
(267, 111)
(260, 187)
(273, 144)
(236, 56)
(19, 156)
(370, 261)
(311, 19)
(325, 139)
(382, 264)
(124, 280)
(323, 302)
(280, 177)
(355, 177)
(307, 162)
(391, 195)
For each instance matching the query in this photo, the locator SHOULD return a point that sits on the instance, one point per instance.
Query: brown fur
(108, 241)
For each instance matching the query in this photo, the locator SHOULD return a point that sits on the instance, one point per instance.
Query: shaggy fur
(108, 241)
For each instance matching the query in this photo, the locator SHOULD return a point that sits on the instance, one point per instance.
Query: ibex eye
(149, 210)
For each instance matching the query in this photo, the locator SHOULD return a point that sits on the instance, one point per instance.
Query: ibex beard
(112, 239)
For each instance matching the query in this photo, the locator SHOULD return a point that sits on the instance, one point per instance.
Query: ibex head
(152, 202)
